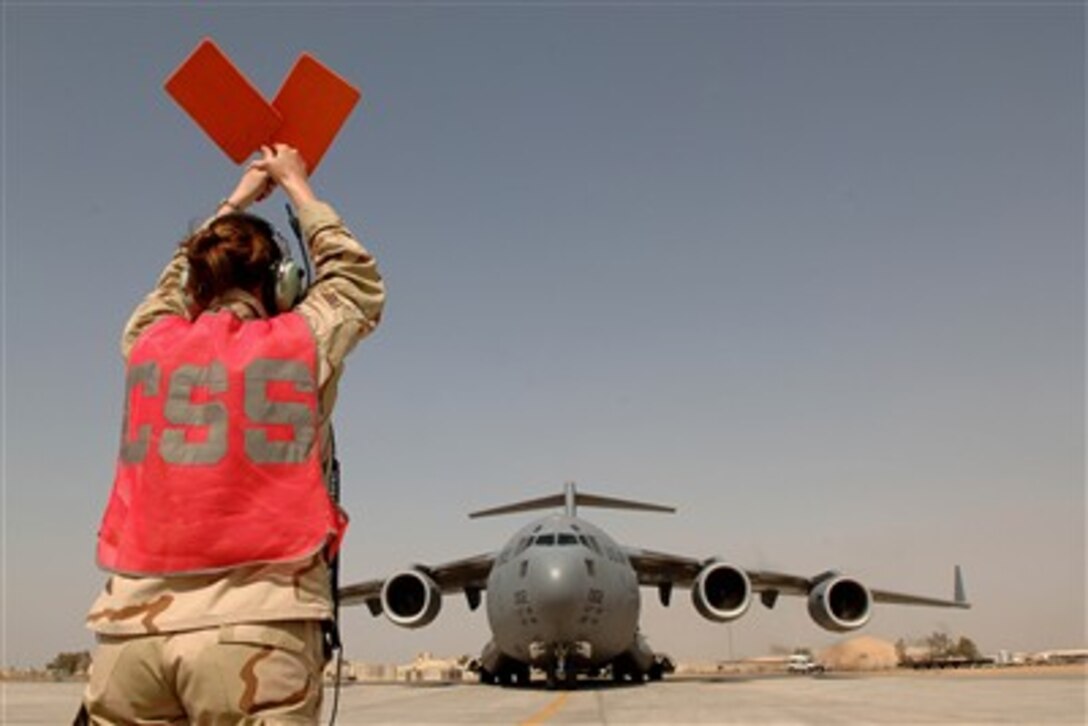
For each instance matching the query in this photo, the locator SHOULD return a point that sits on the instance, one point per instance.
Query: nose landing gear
(559, 674)
(567, 658)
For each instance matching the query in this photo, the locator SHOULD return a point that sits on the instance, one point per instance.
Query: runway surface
(907, 698)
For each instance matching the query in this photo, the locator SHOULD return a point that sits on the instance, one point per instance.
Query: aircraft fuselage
(562, 594)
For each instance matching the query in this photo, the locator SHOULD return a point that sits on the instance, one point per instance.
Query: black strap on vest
(332, 634)
(303, 248)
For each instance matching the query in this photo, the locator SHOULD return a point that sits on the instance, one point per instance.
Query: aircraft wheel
(570, 680)
(487, 677)
(551, 682)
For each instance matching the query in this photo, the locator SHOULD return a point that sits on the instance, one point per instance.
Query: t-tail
(570, 500)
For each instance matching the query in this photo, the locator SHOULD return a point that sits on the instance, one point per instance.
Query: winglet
(959, 593)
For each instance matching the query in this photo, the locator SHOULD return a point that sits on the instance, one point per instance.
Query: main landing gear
(624, 670)
(510, 675)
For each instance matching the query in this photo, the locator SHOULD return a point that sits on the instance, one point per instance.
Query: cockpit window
(567, 539)
(545, 539)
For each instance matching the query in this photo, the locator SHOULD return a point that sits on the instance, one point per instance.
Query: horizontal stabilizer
(570, 499)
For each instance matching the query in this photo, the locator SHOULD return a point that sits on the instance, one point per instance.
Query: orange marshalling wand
(310, 108)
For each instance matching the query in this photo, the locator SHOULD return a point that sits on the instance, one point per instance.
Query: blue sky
(811, 272)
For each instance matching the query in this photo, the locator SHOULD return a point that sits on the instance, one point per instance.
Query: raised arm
(344, 303)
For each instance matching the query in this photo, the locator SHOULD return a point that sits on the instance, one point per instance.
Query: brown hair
(234, 251)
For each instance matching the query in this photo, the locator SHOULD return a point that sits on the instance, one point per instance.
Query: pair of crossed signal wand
(307, 112)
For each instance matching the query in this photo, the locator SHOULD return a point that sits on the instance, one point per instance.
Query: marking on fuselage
(547, 712)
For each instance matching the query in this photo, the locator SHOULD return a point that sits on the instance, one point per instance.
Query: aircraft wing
(468, 575)
(662, 569)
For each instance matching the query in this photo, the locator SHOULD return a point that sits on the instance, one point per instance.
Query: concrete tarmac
(897, 698)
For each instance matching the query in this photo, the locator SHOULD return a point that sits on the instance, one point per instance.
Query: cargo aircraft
(563, 596)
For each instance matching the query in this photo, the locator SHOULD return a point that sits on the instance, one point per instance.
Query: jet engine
(721, 592)
(840, 604)
(411, 599)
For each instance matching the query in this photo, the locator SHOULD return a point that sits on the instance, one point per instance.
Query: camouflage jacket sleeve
(344, 303)
(165, 299)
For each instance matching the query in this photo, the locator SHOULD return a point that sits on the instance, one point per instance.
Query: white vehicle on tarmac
(802, 663)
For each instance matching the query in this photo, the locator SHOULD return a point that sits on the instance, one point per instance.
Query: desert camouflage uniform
(243, 646)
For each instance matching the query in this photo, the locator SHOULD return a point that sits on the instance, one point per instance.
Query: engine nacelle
(721, 592)
(411, 599)
(840, 604)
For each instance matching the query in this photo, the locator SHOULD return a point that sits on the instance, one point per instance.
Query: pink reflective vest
(220, 459)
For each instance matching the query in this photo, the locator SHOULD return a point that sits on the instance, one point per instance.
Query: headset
(289, 280)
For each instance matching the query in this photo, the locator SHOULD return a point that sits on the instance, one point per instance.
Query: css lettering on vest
(219, 463)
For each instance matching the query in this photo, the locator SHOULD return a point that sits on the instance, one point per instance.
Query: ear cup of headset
(289, 284)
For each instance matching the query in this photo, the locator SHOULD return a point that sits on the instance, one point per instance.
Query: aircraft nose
(559, 587)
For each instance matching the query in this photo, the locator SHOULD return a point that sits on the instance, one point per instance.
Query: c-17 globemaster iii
(563, 596)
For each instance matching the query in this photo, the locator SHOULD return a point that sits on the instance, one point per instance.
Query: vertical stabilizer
(570, 499)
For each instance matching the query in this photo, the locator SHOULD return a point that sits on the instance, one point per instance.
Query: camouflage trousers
(251, 673)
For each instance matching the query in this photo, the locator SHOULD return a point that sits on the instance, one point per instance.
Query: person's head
(234, 252)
